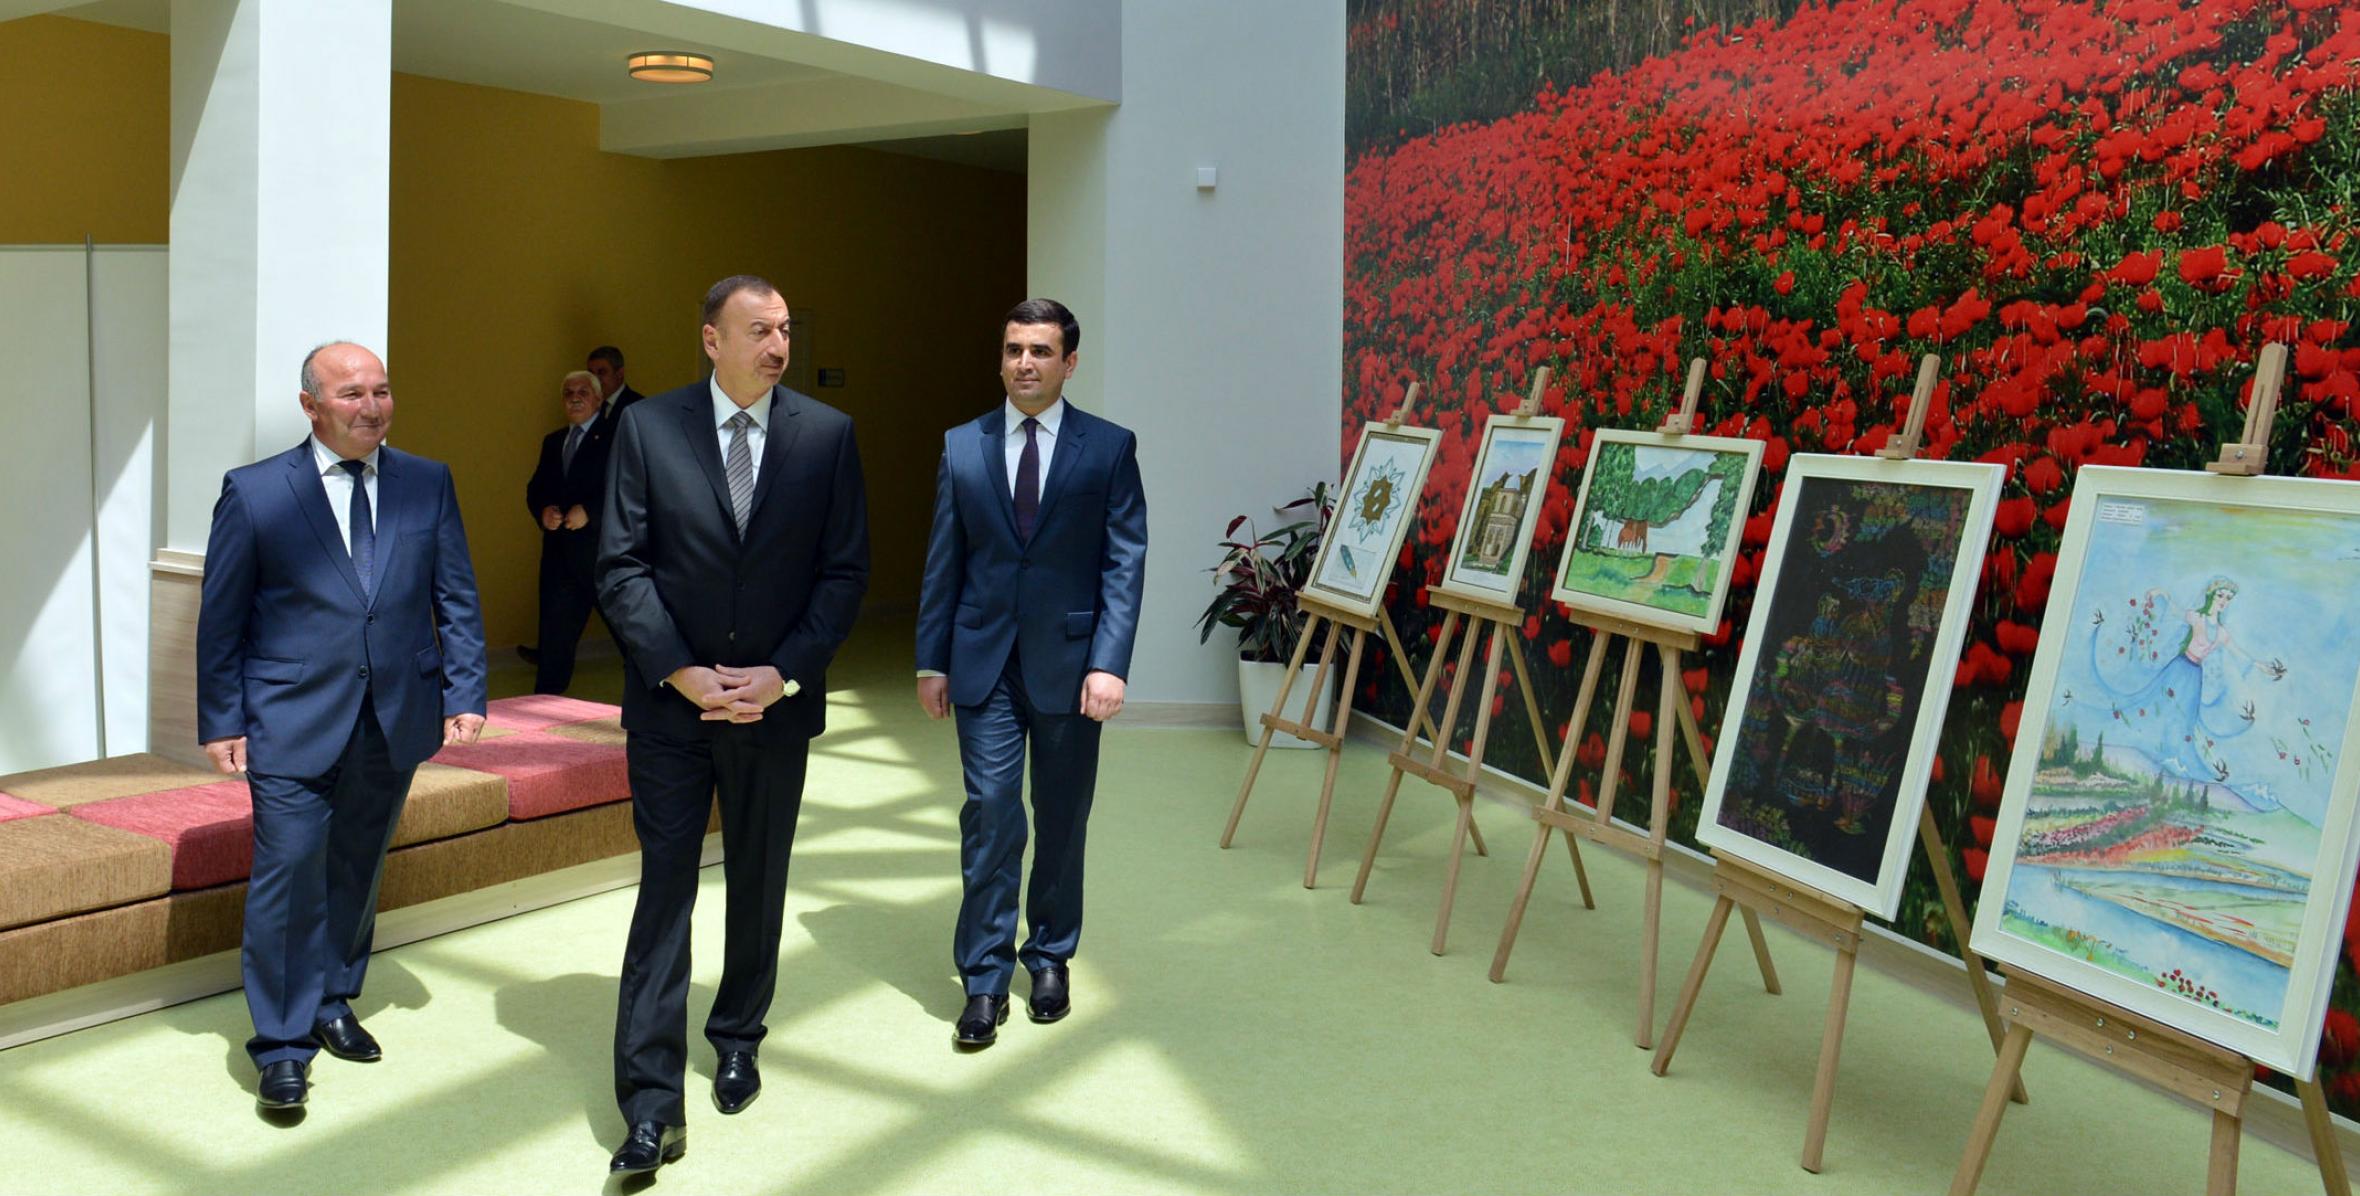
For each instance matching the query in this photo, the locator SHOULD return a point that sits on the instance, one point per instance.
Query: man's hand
(461, 729)
(228, 755)
(1102, 695)
(576, 518)
(934, 696)
(744, 694)
(551, 518)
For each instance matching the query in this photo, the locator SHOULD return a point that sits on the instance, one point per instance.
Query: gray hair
(311, 381)
(586, 375)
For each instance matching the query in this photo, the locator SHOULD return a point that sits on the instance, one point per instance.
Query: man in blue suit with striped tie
(1026, 618)
(339, 644)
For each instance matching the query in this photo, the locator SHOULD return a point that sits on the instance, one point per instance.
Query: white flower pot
(1257, 687)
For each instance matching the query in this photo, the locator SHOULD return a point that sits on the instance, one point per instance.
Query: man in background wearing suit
(732, 562)
(606, 365)
(1026, 618)
(566, 495)
(339, 644)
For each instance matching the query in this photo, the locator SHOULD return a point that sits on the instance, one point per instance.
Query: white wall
(79, 332)
(1211, 319)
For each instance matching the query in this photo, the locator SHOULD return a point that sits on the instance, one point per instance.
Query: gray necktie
(740, 467)
(573, 440)
(361, 527)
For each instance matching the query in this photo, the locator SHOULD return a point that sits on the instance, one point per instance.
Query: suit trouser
(567, 598)
(674, 783)
(311, 903)
(993, 736)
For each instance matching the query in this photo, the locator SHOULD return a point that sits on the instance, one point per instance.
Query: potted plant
(1255, 585)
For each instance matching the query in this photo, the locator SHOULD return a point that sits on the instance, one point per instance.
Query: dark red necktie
(1028, 481)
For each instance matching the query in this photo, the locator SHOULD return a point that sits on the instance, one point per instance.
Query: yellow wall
(517, 245)
(85, 133)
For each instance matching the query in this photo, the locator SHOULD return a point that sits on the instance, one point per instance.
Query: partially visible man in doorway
(606, 365)
(566, 496)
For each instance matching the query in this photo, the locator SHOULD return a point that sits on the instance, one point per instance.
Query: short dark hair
(1047, 311)
(722, 290)
(608, 354)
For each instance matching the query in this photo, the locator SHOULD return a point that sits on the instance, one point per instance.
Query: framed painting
(1376, 505)
(1503, 505)
(1867, 586)
(1656, 527)
(2177, 831)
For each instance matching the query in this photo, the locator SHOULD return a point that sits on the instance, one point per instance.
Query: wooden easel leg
(1658, 829)
(1954, 908)
(1831, 1045)
(1693, 985)
(2220, 1178)
(1475, 834)
(1409, 738)
(1262, 747)
(1335, 757)
(1581, 875)
(1450, 878)
(1458, 694)
(1558, 780)
(1753, 931)
(2325, 1147)
(1995, 1104)
(1626, 690)
(1421, 720)
(1475, 749)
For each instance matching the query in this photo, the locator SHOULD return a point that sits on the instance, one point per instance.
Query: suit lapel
(392, 504)
(777, 439)
(704, 444)
(1072, 436)
(995, 467)
(311, 498)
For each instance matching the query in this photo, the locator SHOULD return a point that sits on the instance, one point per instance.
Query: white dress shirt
(1045, 440)
(564, 460)
(338, 485)
(726, 409)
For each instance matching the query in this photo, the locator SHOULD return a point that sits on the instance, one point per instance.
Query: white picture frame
(1514, 467)
(2213, 810)
(1376, 506)
(1594, 577)
(1820, 769)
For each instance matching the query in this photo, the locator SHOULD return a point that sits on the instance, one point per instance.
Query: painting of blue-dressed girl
(2173, 818)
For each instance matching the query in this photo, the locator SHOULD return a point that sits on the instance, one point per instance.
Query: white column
(1211, 319)
(280, 125)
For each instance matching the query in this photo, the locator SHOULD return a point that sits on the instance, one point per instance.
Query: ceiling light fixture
(671, 66)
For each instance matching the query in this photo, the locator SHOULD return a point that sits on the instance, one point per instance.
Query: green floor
(1233, 1032)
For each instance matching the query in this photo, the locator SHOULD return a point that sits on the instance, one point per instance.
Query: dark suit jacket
(623, 398)
(1068, 599)
(573, 552)
(680, 586)
(287, 645)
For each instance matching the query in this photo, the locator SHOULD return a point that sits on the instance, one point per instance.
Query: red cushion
(547, 774)
(538, 712)
(17, 807)
(210, 828)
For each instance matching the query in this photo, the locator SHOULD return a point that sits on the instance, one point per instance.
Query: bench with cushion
(120, 865)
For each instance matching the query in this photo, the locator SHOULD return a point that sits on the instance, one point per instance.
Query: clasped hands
(1102, 695)
(572, 519)
(728, 694)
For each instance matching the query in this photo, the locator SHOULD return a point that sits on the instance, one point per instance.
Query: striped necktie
(740, 467)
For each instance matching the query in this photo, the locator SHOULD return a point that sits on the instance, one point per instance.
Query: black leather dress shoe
(736, 1082)
(979, 1025)
(344, 1038)
(284, 1085)
(1049, 1001)
(651, 1145)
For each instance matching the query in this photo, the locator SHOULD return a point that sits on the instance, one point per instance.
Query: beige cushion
(446, 801)
(102, 780)
(54, 865)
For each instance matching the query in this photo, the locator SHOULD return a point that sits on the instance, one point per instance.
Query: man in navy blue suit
(1025, 623)
(339, 644)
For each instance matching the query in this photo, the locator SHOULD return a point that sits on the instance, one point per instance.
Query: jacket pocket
(270, 668)
(1079, 624)
(429, 662)
(969, 616)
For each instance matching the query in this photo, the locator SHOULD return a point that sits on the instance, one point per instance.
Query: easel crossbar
(2206, 1074)
(1808, 913)
(1605, 834)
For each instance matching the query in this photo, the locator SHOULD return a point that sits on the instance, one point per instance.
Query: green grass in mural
(1681, 585)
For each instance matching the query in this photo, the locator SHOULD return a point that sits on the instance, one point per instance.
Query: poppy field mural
(2095, 212)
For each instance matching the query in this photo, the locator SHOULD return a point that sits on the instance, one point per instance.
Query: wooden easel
(1817, 915)
(2212, 1076)
(1330, 738)
(1598, 826)
(1507, 627)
